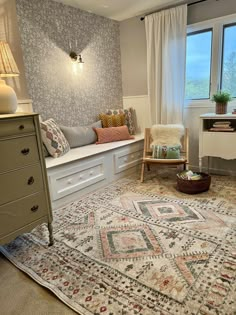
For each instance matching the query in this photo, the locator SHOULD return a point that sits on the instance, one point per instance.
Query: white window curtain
(166, 53)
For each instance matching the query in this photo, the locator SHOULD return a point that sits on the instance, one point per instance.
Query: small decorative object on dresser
(221, 98)
(24, 198)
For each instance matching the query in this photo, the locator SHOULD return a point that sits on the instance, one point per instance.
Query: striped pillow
(112, 134)
(112, 120)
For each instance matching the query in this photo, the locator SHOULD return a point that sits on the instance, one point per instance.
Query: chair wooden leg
(148, 167)
(142, 172)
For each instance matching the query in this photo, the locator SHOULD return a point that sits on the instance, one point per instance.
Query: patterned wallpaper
(60, 89)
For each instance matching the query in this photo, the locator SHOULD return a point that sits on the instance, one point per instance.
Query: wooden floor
(19, 294)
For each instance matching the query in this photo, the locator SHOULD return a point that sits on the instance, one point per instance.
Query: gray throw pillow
(79, 136)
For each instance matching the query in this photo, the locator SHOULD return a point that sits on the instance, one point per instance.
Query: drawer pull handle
(21, 127)
(30, 180)
(34, 208)
(25, 151)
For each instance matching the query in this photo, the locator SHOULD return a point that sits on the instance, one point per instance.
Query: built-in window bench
(85, 169)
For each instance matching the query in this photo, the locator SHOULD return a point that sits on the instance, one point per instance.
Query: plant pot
(221, 108)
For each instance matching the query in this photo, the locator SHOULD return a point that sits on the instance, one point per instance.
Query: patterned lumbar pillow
(112, 120)
(129, 117)
(112, 134)
(53, 138)
(166, 152)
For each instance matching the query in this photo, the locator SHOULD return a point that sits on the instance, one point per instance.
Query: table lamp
(8, 68)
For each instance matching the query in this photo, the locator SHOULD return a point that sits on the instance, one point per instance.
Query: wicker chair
(147, 153)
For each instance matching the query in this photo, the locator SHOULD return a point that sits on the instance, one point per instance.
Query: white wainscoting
(24, 106)
(140, 104)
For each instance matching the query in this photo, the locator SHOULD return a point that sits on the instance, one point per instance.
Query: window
(210, 60)
(198, 65)
(228, 73)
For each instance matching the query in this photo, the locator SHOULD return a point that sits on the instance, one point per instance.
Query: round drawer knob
(25, 151)
(91, 173)
(125, 159)
(69, 182)
(34, 208)
(31, 180)
(21, 127)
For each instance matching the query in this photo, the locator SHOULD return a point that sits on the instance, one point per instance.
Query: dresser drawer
(20, 183)
(18, 152)
(15, 215)
(16, 126)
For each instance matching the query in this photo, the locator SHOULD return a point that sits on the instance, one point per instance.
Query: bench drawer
(126, 159)
(72, 179)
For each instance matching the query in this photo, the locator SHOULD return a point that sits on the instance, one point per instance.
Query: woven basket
(194, 186)
(221, 108)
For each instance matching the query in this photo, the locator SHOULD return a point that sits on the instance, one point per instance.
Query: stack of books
(222, 126)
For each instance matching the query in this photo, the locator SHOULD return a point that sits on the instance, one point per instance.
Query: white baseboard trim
(213, 170)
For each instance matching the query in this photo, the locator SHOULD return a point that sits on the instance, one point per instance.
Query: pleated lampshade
(8, 68)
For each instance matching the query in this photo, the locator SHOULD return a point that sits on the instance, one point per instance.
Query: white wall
(133, 59)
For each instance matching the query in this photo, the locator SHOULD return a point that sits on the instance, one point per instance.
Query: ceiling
(120, 9)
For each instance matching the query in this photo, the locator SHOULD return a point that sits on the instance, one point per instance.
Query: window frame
(217, 25)
(200, 32)
(222, 54)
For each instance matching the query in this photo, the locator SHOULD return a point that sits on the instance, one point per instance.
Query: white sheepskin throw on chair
(170, 134)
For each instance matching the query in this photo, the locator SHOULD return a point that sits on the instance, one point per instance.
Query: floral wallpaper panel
(60, 89)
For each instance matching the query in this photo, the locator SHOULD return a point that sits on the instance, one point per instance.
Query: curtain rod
(189, 4)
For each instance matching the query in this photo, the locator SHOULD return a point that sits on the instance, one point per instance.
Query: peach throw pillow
(112, 134)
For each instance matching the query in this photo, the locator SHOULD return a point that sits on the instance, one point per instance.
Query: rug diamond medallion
(126, 250)
(129, 243)
(167, 210)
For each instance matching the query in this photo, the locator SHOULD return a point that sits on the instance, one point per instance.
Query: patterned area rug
(135, 248)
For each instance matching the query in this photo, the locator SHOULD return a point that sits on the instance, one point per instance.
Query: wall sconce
(76, 58)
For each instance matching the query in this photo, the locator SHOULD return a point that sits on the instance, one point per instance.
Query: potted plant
(221, 98)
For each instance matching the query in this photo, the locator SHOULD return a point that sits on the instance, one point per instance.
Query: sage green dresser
(24, 195)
